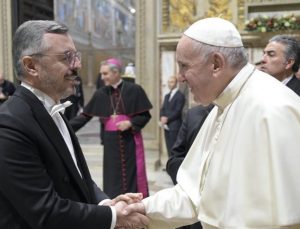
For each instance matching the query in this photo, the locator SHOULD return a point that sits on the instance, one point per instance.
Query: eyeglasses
(70, 56)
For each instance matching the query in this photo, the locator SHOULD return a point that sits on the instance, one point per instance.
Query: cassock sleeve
(283, 156)
(165, 209)
(79, 121)
(140, 120)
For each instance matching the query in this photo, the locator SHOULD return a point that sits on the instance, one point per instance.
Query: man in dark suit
(44, 178)
(171, 113)
(190, 127)
(281, 59)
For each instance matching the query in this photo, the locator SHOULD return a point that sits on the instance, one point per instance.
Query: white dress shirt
(286, 80)
(173, 92)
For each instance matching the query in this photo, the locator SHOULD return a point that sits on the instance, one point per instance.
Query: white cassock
(243, 169)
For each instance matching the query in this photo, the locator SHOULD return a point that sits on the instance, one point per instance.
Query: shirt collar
(46, 100)
(233, 88)
(173, 91)
(286, 80)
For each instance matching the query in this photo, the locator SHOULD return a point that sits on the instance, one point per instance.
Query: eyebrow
(269, 52)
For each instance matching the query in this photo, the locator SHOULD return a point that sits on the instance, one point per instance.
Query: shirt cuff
(113, 217)
(113, 213)
(105, 201)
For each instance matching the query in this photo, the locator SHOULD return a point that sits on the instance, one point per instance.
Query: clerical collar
(233, 88)
(46, 100)
(115, 86)
(286, 80)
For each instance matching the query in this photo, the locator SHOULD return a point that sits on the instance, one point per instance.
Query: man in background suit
(44, 179)
(190, 127)
(281, 59)
(171, 113)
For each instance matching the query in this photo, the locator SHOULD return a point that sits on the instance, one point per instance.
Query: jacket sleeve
(163, 107)
(176, 112)
(178, 152)
(26, 185)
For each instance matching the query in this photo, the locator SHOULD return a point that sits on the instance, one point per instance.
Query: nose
(180, 78)
(77, 63)
(264, 58)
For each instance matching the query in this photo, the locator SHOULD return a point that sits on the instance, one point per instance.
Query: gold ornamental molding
(256, 39)
(177, 14)
(219, 8)
(241, 14)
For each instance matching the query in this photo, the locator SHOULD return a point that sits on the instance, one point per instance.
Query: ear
(218, 62)
(29, 65)
(289, 64)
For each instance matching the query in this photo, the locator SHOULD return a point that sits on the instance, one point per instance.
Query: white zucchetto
(216, 32)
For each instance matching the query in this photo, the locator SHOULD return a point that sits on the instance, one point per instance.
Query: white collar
(233, 88)
(46, 100)
(173, 91)
(117, 84)
(286, 80)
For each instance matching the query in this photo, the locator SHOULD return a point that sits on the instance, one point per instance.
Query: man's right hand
(132, 220)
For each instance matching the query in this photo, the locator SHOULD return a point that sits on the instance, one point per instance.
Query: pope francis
(242, 170)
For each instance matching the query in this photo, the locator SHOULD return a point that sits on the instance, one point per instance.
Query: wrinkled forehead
(185, 48)
(61, 41)
(274, 46)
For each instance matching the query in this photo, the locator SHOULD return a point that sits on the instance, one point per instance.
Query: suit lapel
(81, 161)
(294, 84)
(51, 130)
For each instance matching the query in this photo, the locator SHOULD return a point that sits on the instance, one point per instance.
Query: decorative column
(6, 64)
(147, 65)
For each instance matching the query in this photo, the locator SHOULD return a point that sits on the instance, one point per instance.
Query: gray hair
(28, 40)
(292, 49)
(236, 57)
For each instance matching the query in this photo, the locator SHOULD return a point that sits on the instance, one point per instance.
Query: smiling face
(53, 72)
(196, 70)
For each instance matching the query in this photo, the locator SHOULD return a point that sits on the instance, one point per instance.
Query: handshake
(130, 211)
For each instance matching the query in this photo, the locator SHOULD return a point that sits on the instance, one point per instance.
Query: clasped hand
(130, 211)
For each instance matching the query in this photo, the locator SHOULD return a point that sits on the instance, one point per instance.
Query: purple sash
(142, 184)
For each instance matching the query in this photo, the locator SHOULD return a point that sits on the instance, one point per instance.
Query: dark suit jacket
(191, 125)
(40, 186)
(294, 84)
(173, 110)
